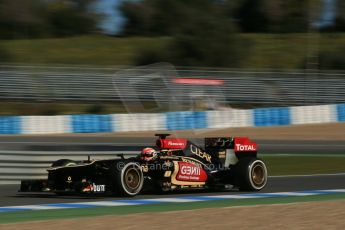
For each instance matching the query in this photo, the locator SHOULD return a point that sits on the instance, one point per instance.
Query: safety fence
(172, 120)
(158, 84)
(21, 165)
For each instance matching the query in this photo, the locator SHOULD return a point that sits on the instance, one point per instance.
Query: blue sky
(327, 16)
(113, 18)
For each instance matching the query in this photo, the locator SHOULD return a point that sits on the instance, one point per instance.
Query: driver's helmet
(148, 154)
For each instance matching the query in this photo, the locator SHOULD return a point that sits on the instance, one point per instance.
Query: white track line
(166, 200)
(309, 175)
(34, 207)
(173, 200)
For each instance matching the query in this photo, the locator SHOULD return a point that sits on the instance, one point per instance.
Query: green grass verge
(304, 165)
(265, 51)
(9, 217)
(84, 50)
(289, 51)
(59, 108)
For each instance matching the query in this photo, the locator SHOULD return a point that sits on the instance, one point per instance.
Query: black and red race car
(178, 165)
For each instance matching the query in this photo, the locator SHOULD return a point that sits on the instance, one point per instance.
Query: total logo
(240, 147)
(243, 144)
(94, 188)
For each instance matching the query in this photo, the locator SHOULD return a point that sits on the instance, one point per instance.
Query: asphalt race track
(98, 143)
(10, 197)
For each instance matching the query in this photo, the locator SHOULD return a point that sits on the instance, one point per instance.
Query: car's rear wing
(238, 145)
(244, 144)
(224, 150)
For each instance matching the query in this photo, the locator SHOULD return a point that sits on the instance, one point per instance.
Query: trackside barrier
(272, 116)
(91, 123)
(162, 83)
(138, 122)
(314, 114)
(21, 165)
(46, 124)
(172, 120)
(341, 112)
(10, 125)
(186, 120)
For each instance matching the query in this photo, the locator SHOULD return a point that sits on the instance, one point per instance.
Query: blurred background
(272, 70)
(60, 56)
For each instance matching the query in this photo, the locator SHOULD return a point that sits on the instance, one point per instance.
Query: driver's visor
(147, 154)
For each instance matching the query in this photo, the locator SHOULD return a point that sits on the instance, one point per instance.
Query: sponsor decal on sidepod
(94, 188)
(191, 172)
(195, 150)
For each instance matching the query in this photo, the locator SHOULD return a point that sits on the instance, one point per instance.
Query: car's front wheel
(129, 178)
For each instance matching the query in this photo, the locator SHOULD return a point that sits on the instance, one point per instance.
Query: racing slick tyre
(63, 162)
(251, 174)
(129, 178)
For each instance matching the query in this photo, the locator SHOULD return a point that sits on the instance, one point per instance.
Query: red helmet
(148, 154)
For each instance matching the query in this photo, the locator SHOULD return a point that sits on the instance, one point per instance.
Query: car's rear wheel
(251, 174)
(129, 178)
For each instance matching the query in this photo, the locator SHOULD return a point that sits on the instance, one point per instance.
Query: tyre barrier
(228, 118)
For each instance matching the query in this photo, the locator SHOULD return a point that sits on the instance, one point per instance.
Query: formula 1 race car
(178, 165)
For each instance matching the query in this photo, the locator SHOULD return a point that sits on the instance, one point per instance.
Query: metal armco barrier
(19, 165)
(156, 84)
